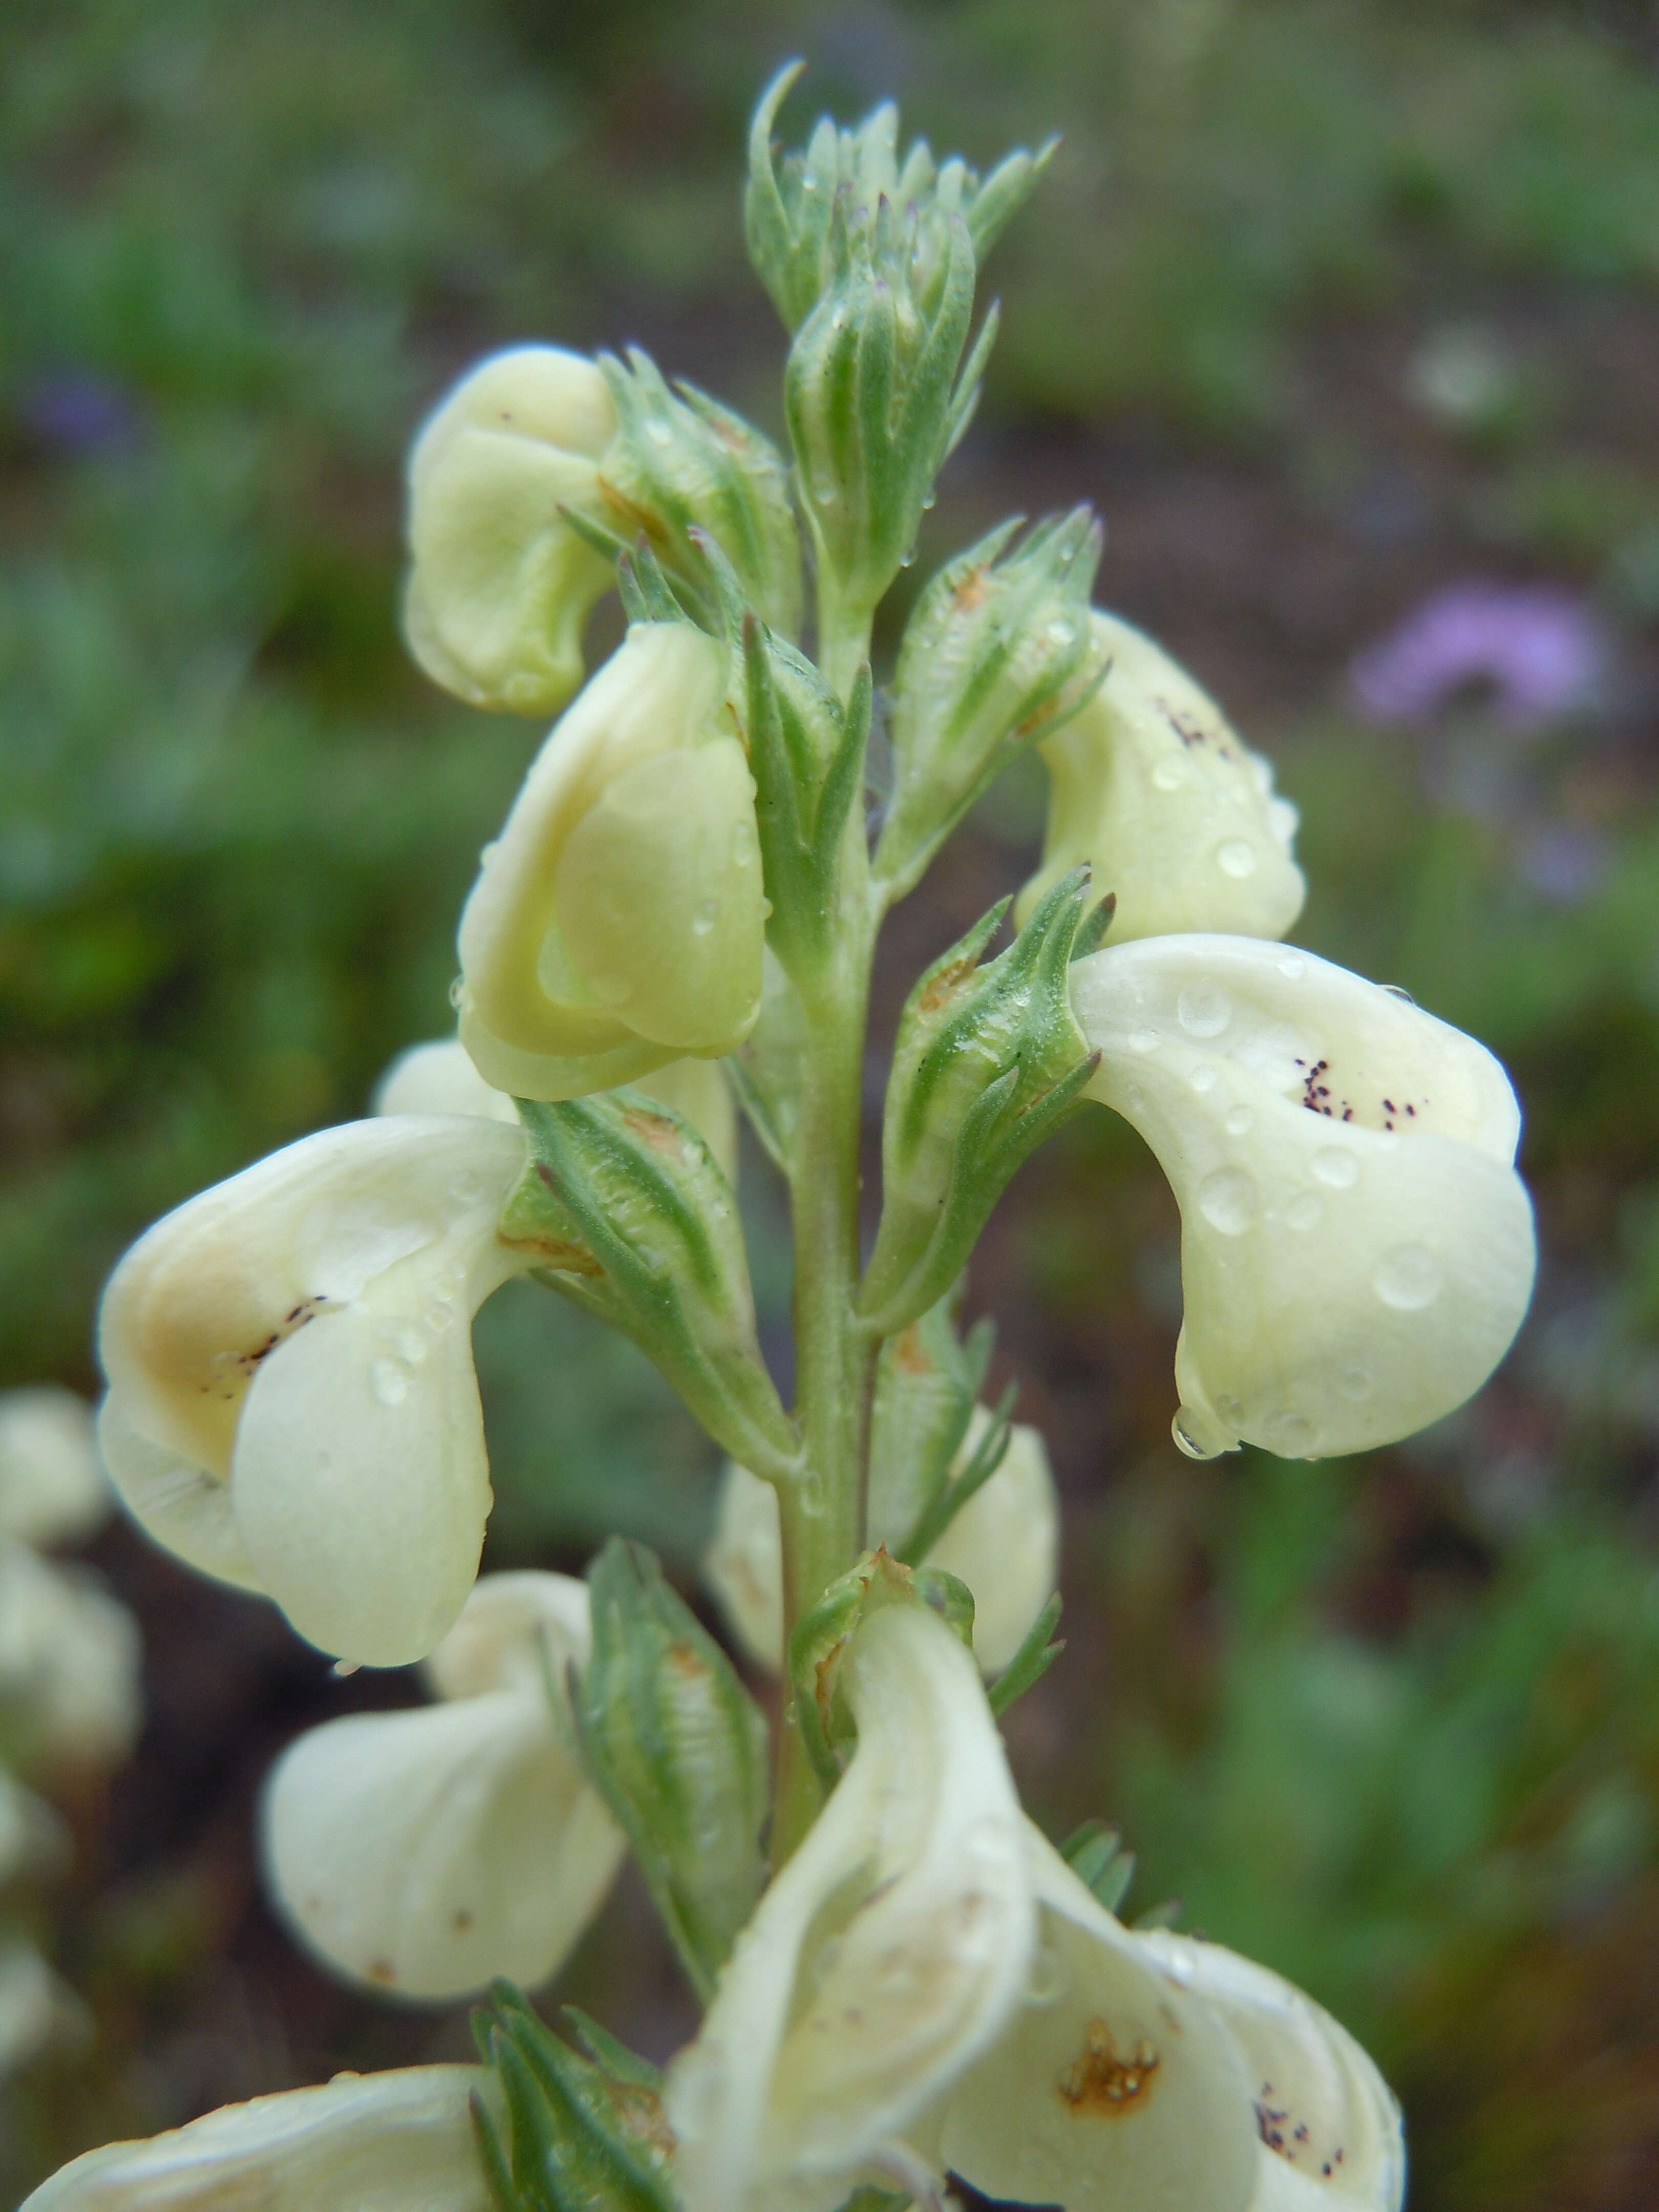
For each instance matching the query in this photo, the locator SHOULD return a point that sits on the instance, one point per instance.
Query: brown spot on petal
(1102, 2082)
(381, 1970)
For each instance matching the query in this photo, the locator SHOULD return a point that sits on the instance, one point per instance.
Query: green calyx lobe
(635, 1221)
(582, 2133)
(989, 1062)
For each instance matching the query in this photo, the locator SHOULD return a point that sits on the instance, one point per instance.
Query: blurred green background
(1326, 306)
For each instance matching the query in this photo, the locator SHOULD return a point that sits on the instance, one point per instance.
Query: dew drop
(1205, 1011)
(1061, 631)
(1237, 859)
(1227, 1200)
(1183, 1428)
(1046, 1982)
(1336, 1165)
(1408, 1278)
(458, 991)
(388, 1382)
(1356, 1384)
(437, 1319)
(409, 1345)
(1135, 1095)
(825, 490)
(1143, 1040)
(1292, 966)
(743, 845)
(1204, 1077)
(659, 432)
(1303, 1212)
(1292, 1435)
(1169, 774)
(703, 920)
(1240, 1120)
(1394, 990)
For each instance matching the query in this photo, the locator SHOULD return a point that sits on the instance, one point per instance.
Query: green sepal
(679, 1749)
(789, 206)
(806, 755)
(989, 1062)
(928, 1383)
(949, 1497)
(1035, 1655)
(1095, 1855)
(998, 652)
(822, 1634)
(765, 1070)
(680, 462)
(580, 2134)
(636, 1222)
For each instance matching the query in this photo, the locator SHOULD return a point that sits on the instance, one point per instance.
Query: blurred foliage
(1329, 299)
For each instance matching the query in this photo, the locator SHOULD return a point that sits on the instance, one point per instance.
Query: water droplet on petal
(388, 1380)
(1204, 1076)
(1303, 1212)
(1061, 631)
(1356, 1384)
(1143, 1040)
(1048, 1980)
(1240, 1120)
(1394, 990)
(1183, 1428)
(409, 1345)
(743, 845)
(1292, 966)
(1205, 1011)
(1227, 1200)
(1293, 1435)
(1237, 859)
(1170, 773)
(1336, 1165)
(1408, 1278)
(659, 432)
(1135, 1096)
(458, 991)
(704, 919)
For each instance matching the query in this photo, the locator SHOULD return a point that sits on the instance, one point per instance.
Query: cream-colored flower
(1173, 811)
(501, 585)
(69, 1664)
(373, 2142)
(37, 2010)
(1357, 1250)
(426, 1852)
(1003, 1544)
(883, 1958)
(292, 1404)
(1155, 2069)
(52, 1486)
(440, 1079)
(33, 1839)
(618, 923)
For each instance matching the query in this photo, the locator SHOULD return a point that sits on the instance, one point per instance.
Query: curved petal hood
(1003, 1544)
(1357, 1250)
(883, 1957)
(618, 922)
(292, 1404)
(1152, 787)
(501, 584)
(375, 2142)
(426, 1852)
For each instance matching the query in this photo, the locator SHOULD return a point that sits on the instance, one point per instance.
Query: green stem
(822, 1511)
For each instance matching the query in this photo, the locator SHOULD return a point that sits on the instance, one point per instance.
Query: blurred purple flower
(80, 414)
(1538, 651)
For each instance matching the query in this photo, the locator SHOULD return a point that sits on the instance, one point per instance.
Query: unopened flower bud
(679, 1749)
(618, 922)
(1174, 813)
(501, 584)
(999, 648)
(402, 2142)
(1357, 1248)
(52, 1486)
(292, 1404)
(424, 1853)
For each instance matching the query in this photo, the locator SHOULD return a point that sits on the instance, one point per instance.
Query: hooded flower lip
(1003, 1544)
(501, 585)
(1151, 786)
(618, 923)
(426, 1852)
(883, 1957)
(292, 1405)
(1357, 1250)
(401, 2141)
(1156, 2069)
